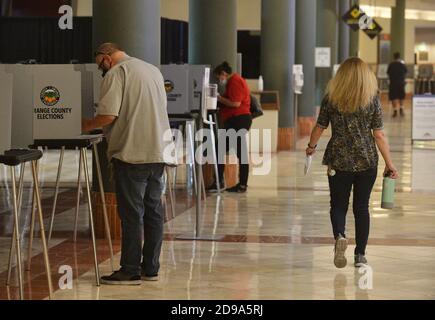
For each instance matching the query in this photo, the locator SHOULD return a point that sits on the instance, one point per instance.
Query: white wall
(83, 8)
(175, 9)
(248, 12)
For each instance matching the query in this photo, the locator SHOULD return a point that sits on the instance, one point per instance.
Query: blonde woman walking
(353, 108)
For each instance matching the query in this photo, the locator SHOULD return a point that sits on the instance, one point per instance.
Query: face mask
(223, 82)
(104, 72)
(103, 69)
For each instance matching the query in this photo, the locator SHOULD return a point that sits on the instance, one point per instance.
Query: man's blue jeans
(138, 190)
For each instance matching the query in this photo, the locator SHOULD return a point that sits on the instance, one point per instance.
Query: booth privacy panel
(177, 88)
(96, 78)
(57, 102)
(22, 101)
(196, 78)
(6, 81)
(87, 85)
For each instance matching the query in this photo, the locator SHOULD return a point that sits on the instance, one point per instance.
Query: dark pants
(138, 191)
(237, 123)
(340, 186)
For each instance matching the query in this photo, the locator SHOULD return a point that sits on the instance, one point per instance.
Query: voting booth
(49, 102)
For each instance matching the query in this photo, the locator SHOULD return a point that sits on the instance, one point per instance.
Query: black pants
(237, 123)
(340, 186)
(138, 191)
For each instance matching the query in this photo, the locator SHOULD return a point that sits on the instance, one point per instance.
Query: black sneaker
(147, 277)
(360, 260)
(121, 278)
(402, 113)
(340, 260)
(395, 114)
(213, 188)
(238, 189)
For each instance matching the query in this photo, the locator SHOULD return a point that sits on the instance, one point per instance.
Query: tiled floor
(276, 241)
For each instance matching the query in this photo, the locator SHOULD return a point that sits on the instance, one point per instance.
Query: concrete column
(305, 48)
(344, 32)
(327, 36)
(277, 59)
(133, 24)
(398, 28)
(213, 32)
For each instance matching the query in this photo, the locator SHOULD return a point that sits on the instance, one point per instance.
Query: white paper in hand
(308, 161)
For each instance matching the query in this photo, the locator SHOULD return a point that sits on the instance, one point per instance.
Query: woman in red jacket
(234, 111)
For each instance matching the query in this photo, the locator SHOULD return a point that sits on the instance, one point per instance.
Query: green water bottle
(388, 188)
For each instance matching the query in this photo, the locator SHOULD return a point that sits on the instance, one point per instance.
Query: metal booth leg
(215, 159)
(79, 177)
(190, 145)
(17, 234)
(103, 202)
(56, 192)
(14, 235)
(41, 226)
(91, 218)
(32, 223)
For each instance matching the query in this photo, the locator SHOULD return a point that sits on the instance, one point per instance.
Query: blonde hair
(353, 87)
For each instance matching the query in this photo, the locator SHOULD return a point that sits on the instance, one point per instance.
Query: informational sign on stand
(382, 71)
(323, 57)
(177, 88)
(6, 81)
(423, 117)
(57, 102)
(421, 178)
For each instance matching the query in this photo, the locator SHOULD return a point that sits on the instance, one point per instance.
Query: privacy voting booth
(48, 103)
(13, 158)
(183, 84)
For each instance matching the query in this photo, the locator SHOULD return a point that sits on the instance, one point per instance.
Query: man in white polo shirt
(133, 112)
